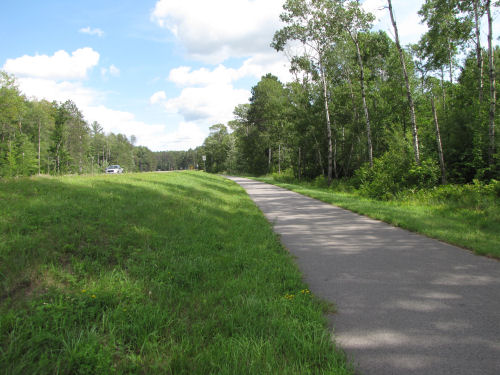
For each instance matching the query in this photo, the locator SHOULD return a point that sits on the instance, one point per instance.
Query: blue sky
(162, 70)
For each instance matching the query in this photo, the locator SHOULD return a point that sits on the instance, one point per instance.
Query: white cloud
(208, 96)
(60, 66)
(112, 70)
(154, 136)
(60, 91)
(213, 31)
(158, 97)
(256, 67)
(213, 103)
(261, 64)
(187, 135)
(376, 7)
(183, 76)
(88, 30)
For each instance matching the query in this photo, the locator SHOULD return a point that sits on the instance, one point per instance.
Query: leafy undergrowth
(174, 273)
(467, 216)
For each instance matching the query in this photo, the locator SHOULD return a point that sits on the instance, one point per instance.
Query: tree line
(363, 107)
(42, 137)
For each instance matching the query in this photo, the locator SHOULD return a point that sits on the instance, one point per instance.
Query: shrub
(393, 172)
(320, 182)
(287, 176)
(495, 188)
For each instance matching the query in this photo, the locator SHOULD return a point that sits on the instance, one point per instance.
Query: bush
(496, 187)
(394, 172)
(343, 185)
(287, 176)
(320, 182)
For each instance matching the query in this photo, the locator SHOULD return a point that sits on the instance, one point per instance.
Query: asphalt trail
(406, 304)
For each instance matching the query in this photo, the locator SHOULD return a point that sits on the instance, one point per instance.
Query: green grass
(467, 216)
(171, 273)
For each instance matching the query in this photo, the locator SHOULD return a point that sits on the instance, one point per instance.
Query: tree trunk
(299, 163)
(279, 158)
(443, 90)
(320, 158)
(478, 49)
(450, 57)
(363, 96)
(269, 160)
(39, 125)
(328, 126)
(439, 144)
(408, 89)
(335, 159)
(355, 119)
(493, 100)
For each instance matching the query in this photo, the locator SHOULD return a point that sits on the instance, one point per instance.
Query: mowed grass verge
(467, 219)
(171, 273)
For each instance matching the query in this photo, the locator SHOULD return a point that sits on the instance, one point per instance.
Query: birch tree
(353, 21)
(408, 88)
(493, 99)
(305, 23)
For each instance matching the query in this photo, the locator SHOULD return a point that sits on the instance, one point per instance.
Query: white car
(114, 169)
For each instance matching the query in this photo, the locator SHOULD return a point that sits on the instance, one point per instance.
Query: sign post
(204, 157)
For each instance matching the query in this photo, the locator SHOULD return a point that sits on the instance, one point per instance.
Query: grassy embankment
(466, 216)
(150, 273)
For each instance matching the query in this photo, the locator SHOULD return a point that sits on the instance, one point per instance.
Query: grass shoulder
(465, 216)
(174, 273)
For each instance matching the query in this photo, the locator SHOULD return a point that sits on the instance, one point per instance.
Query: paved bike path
(406, 304)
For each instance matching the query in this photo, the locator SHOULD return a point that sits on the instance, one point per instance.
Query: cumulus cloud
(59, 91)
(213, 31)
(255, 67)
(213, 103)
(88, 30)
(209, 96)
(184, 76)
(261, 64)
(158, 97)
(60, 66)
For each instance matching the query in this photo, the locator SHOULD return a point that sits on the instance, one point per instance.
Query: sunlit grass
(459, 220)
(174, 273)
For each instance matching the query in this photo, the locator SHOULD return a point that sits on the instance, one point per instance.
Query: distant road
(406, 304)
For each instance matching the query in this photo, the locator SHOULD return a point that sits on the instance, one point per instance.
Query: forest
(41, 137)
(365, 109)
